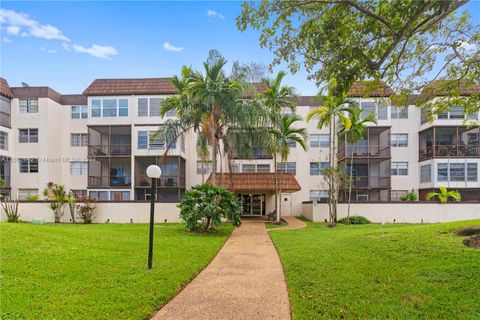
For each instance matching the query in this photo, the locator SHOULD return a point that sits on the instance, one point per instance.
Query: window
(317, 167)
(5, 111)
(318, 195)
(472, 172)
(248, 168)
(28, 105)
(204, 167)
(396, 194)
(291, 143)
(78, 168)
(142, 140)
(442, 172)
(399, 168)
(453, 113)
(150, 107)
(399, 140)
(251, 168)
(288, 167)
(382, 112)
(367, 108)
(457, 172)
(119, 195)
(288, 111)
(319, 141)
(235, 168)
(426, 173)
(3, 140)
(399, 112)
(78, 139)
(79, 112)
(28, 165)
(99, 195)
(28, 135)
(79, 193)
(109, 107)
(151, 140)
(155, 141)
(24, 194)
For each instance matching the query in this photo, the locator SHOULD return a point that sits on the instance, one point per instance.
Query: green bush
(204, 206)
(411, 196)
(354, 220)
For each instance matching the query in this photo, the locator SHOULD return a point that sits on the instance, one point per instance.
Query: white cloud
(6, 40)
(465, 45)
(170, 47)
(66, 46)
(48, 50)
(103, 52)
(212, 13)
(19, 23)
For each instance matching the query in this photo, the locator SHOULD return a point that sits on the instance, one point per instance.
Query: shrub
(58, 197)
(33, 197)
(204, 206)
(411, 196)
(354, 220)
(85, 207)
(10, 207)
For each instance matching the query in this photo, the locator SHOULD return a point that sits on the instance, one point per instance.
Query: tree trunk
(276, 181)
(279, 212)
(350, 185)
(334, 178)
(214, 162)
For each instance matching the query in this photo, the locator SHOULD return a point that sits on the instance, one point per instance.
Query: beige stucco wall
(117, 212)
(398, 212)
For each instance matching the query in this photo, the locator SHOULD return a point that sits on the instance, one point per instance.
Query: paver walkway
(244, 281)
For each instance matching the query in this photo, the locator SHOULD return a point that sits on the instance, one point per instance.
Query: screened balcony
(448, 142)
(109, 173)
(375, 144)
(109, 141)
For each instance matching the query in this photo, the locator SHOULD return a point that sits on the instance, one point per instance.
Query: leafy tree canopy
(406, 43)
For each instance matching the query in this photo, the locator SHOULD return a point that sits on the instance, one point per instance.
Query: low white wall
(397, 212)
(117, 212)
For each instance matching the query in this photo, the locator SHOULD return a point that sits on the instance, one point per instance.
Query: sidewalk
(244, 281)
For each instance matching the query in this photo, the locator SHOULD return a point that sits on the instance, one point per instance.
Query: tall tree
(333, 110)
(276, 97)
(282, 134)
(407, 44)
(210, 104)
(352, 135)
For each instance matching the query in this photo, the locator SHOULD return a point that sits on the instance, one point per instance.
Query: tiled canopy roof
(256, 182)
(370, 89)
(443, 88)
(105, 87)
(311, 101)
(74, 99)
(5, 88)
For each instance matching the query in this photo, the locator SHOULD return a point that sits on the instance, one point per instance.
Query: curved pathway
(244, 281)
(292, 224)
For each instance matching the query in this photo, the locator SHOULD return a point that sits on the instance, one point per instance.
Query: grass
(380, 272)
(97, 271)
(273, 225)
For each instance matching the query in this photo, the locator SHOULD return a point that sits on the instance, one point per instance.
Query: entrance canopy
(256, 182)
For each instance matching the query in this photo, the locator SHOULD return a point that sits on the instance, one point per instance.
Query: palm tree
(281, 135)
(334, 108)
(275, 98)
(211, 104)
(352, 135)
(444, 195)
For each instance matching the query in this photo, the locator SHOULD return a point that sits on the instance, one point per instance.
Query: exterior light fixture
(153, 172)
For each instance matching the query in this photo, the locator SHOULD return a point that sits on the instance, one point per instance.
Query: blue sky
(55, 43)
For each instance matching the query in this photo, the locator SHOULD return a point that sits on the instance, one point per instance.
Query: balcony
(371, 182)
(109, 181)
(104, 141)
(449, 142)
(163, 181)
(364, 152)
(375, 144)
(109, 173)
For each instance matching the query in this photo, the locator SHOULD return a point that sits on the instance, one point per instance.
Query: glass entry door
(253, 204)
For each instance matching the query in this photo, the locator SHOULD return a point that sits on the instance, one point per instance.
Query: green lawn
(96, 271)
(380, 272)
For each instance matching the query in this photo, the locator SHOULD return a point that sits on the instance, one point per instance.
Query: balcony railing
(371, 182)
(110, 150)
(163, 181)
(371, 151)
(109, 181)
(462, 151)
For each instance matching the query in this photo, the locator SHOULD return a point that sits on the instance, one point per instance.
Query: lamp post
(153, 172)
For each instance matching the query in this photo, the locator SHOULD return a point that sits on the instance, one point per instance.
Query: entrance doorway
(253, 204)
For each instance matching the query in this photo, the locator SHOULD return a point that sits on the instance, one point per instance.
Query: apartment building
(100, 143)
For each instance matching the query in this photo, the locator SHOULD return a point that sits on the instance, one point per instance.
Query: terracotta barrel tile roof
(105, 87)
(257, 182)
(444, 88)
(311, 101)
(5, 88)
(369, 89)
